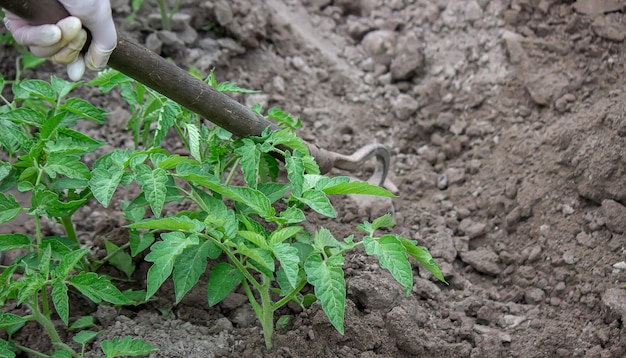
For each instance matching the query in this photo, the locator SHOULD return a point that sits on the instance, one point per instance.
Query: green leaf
(61, 86)
(9, 319)
(121, 260)
(261, 256)
(172, 161)
(104, 183)
(178, 223)
(188, 268)
(84, 109)
(82, 323)
(257, 239)
(5, 169)
(292, 215)
(273, 191)
(31, 61)
(69, 261)
(61, 300)
(14, 241)
(324, 238)
(283, 234)
(423, 256)
(9, 208)
(68, 165)
(223, 279)
(72, 141)
(7, 349)
(38, 89)
(250, 160)
(127, 346)
(391, 256)
(11, 136)
(83, 337)
(163, 254)
(295, 174)
(109, 79)
(225, 87)
(98, 288)
(140, 241)
(330, 286)
(358, 187)
(285, 120)
(153, 183)
(166, 117)
(318, 201)
(47, 202)
(289, 260)
(194, 141)
(25, 115)
(32, 284)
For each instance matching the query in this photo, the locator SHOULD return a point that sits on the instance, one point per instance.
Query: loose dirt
(506, 121)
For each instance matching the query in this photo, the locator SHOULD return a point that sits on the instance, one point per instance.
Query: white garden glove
(63, 41)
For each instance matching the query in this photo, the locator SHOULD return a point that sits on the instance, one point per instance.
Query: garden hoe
(171, 81)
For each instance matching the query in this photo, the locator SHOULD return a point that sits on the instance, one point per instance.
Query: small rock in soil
(608, 29)
(374, 291)
(404, 106)
(243, 316)
(404, 331)
(512, 321)
(233, 301)
(534, 296)
(472, 229)
(372, 207)
(614, 216)
(614, 300)
(380, 45)
(443, 244)
(483, 260)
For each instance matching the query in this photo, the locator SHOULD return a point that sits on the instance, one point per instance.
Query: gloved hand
(63, 41)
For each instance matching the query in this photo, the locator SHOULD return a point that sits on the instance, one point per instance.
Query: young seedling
(42, 157)
(257, 224)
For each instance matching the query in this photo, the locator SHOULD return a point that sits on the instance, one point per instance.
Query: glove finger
(69, 53)
(69, 27)
(27, 35)
(97, 58)
(76, 69)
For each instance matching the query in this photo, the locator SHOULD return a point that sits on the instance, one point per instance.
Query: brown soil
(506, 121)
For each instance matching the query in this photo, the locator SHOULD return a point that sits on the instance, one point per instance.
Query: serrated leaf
(383, 221)
(5, 169)
(104, 183)
(285, 120)
(292, 215)
(250, 161)
(289, 260)
(188, 268)
(255, 238)
(223, 279)
(179, 223)
(83, 337)
(11, 136)
(71, 141)
(166, 117)
(127, 346)
(82, 323)
(7, 349)
(226, 87)
(31, 61)
(84, 109)
(330, 286)
(289, 139)
(14, 241)
(392, 257)
(68, 165)
(140, 241)
(32, 284)
(9, 319)
(109, 79)
(318, 201)
(163, 254)
(194, 141)
(61, 300)
(61, 86)
(358, 187)
(295, 174)
(172, 161)
(153, 183)
(423, 256)
(25, 115)
(9, 208)
(121, 260)
(261, 256)
(324, 238)
(273, 191)
(69, 261)
(283, 234)
(38, 89)
(47, 202)
(98, 288)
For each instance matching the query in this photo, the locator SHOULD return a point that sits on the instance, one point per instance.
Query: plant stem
(165, 20)
(69, 228)
(267, 321)
(290, 296)
(30, 351)
(232, 172)
(47, 324)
